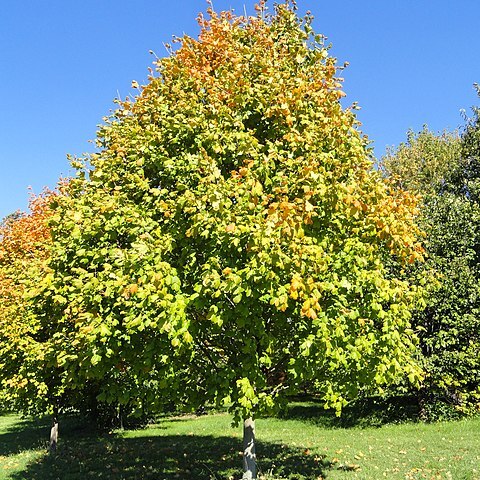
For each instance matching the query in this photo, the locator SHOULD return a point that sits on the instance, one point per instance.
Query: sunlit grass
(308, 444)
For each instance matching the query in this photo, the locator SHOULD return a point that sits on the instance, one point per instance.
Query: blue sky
(62, 63)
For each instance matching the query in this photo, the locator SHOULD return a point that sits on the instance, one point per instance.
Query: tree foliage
(443, 169)
(24, 241)
(228, 242)
(424, 162)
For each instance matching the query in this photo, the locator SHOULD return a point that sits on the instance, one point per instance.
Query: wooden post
(249, 456)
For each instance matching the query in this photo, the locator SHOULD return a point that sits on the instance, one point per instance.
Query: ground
(306, 443)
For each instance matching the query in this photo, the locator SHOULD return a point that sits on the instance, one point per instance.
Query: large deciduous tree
(228, 241)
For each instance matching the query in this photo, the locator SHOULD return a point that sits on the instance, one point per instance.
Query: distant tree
(442, 169)
(228, 241)
(467, 178)
(424, 162)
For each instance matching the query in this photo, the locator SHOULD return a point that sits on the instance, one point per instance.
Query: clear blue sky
(62, 63)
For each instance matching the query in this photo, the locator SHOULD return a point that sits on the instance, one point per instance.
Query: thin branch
(207, 354)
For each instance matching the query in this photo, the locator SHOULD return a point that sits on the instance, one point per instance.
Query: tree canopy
(425, 162)
(228, 241)
(443, 168)
(24, 242)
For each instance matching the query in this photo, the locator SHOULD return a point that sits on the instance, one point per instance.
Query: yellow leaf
(309, 207)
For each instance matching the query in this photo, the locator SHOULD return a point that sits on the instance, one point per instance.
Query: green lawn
(308, 444)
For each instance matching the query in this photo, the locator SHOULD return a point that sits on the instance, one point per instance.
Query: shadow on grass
(86, 454)
(367, 412)
(167, 457)
(33, 433)
(24, 434)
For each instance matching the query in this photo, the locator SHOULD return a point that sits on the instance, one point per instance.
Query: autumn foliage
(229, 241)
(24, 243)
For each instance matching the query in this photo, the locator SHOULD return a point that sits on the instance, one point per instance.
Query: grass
(307, 444)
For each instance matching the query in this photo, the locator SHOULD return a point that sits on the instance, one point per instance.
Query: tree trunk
(120, 417)
(422, 400)
(249, 457)
(54, 432)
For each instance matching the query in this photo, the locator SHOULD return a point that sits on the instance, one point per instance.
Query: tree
(24, 240)
(424, 162)
(442, 169)
(229, 238)
(29, 382)
(467, 176)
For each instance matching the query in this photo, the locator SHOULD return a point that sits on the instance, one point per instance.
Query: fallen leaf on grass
(348, 467)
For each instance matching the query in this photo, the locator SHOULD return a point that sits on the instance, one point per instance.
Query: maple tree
(228, 241)
(32, 380)
(24, 240)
